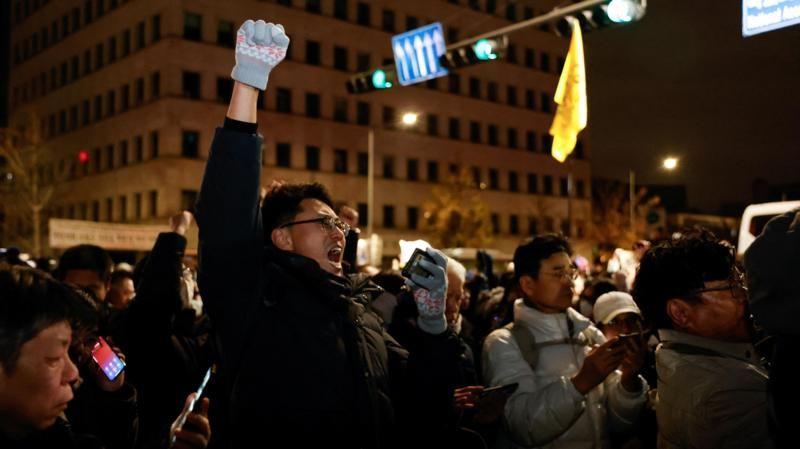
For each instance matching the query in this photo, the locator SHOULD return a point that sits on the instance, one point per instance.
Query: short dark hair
(672, 269)
(282, 204)
(31, 301)
(529, 255)
(86, 257)
(119, 275)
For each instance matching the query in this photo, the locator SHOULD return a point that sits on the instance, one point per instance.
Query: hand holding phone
(188, 408)
(414, 266)
(108, 361)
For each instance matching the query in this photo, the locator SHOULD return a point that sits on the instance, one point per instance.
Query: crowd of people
(306, 349)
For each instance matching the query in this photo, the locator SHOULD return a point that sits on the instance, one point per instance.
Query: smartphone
(623, 337)
(198, 393)
(106, 359)
(504, 390)
(413, 265)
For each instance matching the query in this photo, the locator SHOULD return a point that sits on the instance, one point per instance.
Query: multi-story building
(140, 85)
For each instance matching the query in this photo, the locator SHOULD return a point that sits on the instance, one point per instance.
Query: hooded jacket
(302, 357)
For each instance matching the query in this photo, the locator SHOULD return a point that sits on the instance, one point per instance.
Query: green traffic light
(379, 80)
(484, 50)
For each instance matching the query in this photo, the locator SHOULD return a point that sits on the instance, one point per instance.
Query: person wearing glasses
(712, 388)
(574, 385)
(303, 360)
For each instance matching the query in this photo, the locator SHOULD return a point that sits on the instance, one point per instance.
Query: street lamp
(408, 119)
(670, 163)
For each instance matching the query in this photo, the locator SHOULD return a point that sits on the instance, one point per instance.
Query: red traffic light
(83, 156)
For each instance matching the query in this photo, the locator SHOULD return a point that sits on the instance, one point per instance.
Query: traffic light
(83, 157)
(378, 79)
(607, 14)
(482, 50)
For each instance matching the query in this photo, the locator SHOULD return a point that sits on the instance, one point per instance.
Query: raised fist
(260, 46)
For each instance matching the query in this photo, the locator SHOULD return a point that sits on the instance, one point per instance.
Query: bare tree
(29, 180)
(611, 224)
(456, 216)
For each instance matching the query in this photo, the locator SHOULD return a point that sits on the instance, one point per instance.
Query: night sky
(684, 82)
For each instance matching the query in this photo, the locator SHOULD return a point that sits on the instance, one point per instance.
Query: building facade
(139, 86)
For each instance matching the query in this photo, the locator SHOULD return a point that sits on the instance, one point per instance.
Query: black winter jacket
(303, 359)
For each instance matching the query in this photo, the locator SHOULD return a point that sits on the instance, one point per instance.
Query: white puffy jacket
(546, 410)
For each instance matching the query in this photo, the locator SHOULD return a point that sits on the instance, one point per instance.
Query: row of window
(341, 163)
(122, 154)
(101, 106)
(143, 205)
(92, 60)
(388, 23)
(512, 226)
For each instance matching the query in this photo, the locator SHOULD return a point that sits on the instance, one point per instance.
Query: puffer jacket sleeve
(537, 412)
(623, 407)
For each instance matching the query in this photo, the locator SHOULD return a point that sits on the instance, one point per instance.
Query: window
(530, 99)
(109, 209)
(548, 185)
(433, 171)
(454, 128)
(493, 139)
(511, 53)
(362, 113)
(491, 6)
(225, 34)
(87, 64)
(491, 91)
(544, 62)
(224, 89)
(98, 56)
(192, 26)
(453, 83)
(495, 223)
(312, 105)
(565, 227)
(138, 149)
(340, 58)
(363, 163)
(580, 189)
(388, 167)
(339, 160)
(74, 68)
(188, 199)
(362, 61)
(533, 183)
(474, 132)
(476, 176)
(363, 211)
(111, 103)
(513, 181)
(123, 153)
(283, 100)
(191, 85)
(137, 206)
(138, 91)
(412, 170)
(494, 179)
(125, 95)
(564, 186)
(547, 143)
(511, 135)
(153, 144)
(155, 30)
(109, 157)
(387, 20)
(283, 155)
(126, 43)
(312, 158)
(389, 117)
(530, 58)
(452, 34)
(388, 217)
(412, 217)
(155, 85)
(579, 149)
(340, 9)
(112, 49)
(190, 144)
(87, 11)
(95, 211)
(545, 101)
(511, 95)
(411, 23)
(153, 203)
(474, 87)
(312, 52)
(533, 225)
(513, 224)
(432, 124)
(340, 109)
(98, 108)
(362, 14)
(530, 141)
(85, 113)
(313, 6)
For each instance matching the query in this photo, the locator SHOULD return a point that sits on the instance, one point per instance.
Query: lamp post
(669, 163)
(408, 120)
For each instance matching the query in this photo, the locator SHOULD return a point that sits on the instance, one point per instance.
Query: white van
(755, 217)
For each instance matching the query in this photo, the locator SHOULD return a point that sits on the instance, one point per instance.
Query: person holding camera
(303, 359)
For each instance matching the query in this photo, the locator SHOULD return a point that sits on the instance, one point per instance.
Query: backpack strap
(529, 348)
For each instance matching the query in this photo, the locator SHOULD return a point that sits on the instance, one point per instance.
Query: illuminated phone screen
(107, 360)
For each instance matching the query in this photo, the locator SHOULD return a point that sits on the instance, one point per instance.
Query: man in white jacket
(570, 392)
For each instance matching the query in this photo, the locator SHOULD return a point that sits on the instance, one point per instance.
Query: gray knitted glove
(430, 292)
(260, 47)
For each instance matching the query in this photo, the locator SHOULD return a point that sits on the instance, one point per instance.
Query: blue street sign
(417, 52)
(759, 16)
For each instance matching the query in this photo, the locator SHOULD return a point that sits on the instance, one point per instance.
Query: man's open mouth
(335, 254)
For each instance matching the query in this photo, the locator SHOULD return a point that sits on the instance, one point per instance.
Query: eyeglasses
(568, 274)
(736, 284)
(329, 224)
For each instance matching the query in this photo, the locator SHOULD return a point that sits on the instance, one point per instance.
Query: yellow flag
(572, 112)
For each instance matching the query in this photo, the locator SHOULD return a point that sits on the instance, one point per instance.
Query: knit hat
(611, 304)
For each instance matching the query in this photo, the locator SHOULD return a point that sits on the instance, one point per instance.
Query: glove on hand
(260, 47)
(429, 293)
